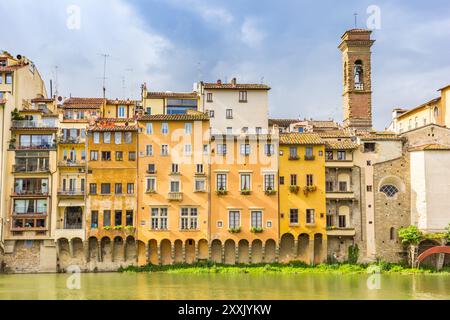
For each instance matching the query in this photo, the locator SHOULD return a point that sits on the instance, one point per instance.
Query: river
(223, 286)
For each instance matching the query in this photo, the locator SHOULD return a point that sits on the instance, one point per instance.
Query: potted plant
(294, 189)
(245, 192)
(308, 189)
(119, 227)
(129, 228)
(269, 191)
(235, 230)
(107, 228)
(221, 191)
(256, 229)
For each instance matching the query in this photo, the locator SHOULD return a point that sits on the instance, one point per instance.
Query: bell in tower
(357, 96)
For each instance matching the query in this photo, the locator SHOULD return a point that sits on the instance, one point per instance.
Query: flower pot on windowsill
(308, 189)
(256, 230)
(118, 227)
(245, 192)
(294, 158)
(294, 189)
(234, 230)
(310, 157)
(221, 192)
(129, 228)
(270, 192)
(107, 228)
(150, 191)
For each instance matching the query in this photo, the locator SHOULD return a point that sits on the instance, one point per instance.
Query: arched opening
(73, 218)
(153, 252)
(216, 251)
(142, 258)
(166, 252)
(77, 249)
(436, 114)
(270, 251)
(106, 249)
(93, 249)
(318, 248)
(189, 248)
(243, 256)
(343, 216)
(257, 256)
(130, 249)
(203, 250)
(63, 253)
(230, 252)
(391, 186)
(118, 252)
(392, 233)
(178, 251)
(303, 248)
(389, 190)
(430, 261)
(358, 75)
(287, 248)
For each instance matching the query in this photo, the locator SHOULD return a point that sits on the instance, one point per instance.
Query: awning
(71, 203)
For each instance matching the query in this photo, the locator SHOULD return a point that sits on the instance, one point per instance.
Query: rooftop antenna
(105, 57)
(356, 20)
(262, 80)
(56, 80)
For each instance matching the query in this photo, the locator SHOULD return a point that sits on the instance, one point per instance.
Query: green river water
(224, 286)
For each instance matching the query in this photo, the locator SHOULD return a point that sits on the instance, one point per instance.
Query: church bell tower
(355, 47)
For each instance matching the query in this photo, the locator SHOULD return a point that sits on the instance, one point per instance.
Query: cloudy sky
(290, 45)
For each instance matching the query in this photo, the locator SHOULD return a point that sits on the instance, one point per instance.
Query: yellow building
(244, 198)
(173, 220)
(121, 110)
(302, 198)
(168, 102)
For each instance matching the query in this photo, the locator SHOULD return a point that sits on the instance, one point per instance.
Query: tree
(15, 115)
(411, 236)
(447, 233)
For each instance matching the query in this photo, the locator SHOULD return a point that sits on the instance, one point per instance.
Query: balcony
(71, 163)
(30, 169)
(310, 157)
(71, 193)
(340, 195)
(336, 231)
(30, 193)
(334, 163)
(34, 124)
(175, 196)
(71, 140)
(34, 147)
(33, 221)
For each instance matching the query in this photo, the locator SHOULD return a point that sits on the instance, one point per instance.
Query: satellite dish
(60, 98)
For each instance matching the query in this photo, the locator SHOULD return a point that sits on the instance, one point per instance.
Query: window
(121, 112)
(117, 218)
(293, 179)
(258, 130)
(149, 150)
(118, 188)
(358, 75)
(229, 130)
(329, 155)
(309, 152)
(342, 221)
(209, 97)
(8, 78)
(164, 150)
(309, 180)
(269, 149)
(219, 224)
(369, 147)
(188, 128)
(106, 155)
(189, 219)
(164, 128)
(151, 168)
(310, 216)
(118, 137)
(234, 219)
(436, 113)
(128, 137)
(199, 168)
(211, 113)
(149, 128)
(94, 219)
(187, 149)
(174, 168)
(245, 182)
(105, 188)
(293, 153)
(200, 185)
(159, 218)
(229, 113)
(151, 184)
(329, 186)
(222, 149)
(130, 188)
(269, 182)
(93, 188)
(83, 154)
(392, 233)
(330, 221)
(96, 137)
(129, 218)
(389, 190)
(119, 156)
(342, 186)
(369, 188)
(221, 181)
(174, 186)
(148, 111)
(256, 219)
(242, 96)
(293, 216)
(107, 218)
(244, 130)
(132, 156)
(282, 180)
(106, 137)
(341, 155)
(94, 155)
(245, 149)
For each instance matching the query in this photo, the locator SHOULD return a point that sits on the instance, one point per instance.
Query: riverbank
(294, 267)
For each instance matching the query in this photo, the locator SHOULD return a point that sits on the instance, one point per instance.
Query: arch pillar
(311, 249)
(295, 248)
(71, 248)
(324, 248)
(99, 251)
(158, 246)
(86, 250)
(277, 252)
(124, 249)
(196, 251)
(263, 253)
(222, 252)
(183, 251)
(112, 244)
(250, 252)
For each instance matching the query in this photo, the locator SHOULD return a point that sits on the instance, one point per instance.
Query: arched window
(389, 190)
(358, 75)
(436, 113)
(392, 233)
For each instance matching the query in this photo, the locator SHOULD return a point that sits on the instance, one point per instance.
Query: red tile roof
(83, 103)
(300, 138)
(12, 68)
(180, 95)
(245, 86)
(112, 128)
(121, 102)
(430, 147)
(175, 117)
(282, 122)
(432, 101)
(41, 100)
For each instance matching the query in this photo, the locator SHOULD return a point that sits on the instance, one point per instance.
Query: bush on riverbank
(289, 268)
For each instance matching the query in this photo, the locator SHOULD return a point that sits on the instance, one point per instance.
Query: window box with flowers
(245, 192)
(294, 189)
(234, 230)
(120, 227)
(221, 192)
(256, 230)
(310, 157)
(270, 191)
(308, 189)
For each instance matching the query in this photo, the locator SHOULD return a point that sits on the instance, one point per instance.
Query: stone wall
(25, 257)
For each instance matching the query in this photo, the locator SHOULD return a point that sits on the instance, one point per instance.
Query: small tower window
(358, 75)
(436, 113)
(392, 233)
(389, 190)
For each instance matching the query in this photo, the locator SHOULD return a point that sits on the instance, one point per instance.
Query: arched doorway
(270, 251)
(230, 252)
(73, 218)
(166, 252)
(303, 248)
(287, 250)
(243, 256)
(189, 251)
(216, 251)
(203, 249)
(318, 248)
(178, 251)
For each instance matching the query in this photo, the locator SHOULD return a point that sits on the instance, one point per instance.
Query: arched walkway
(230, 252)
(318, 248)
(118, 250)
(426, 259)
(166, 252)
(189, 248)
(153, 252)
(77, 249)
(287, 248)
(303, 248)
(216, 251)
(178, 251)
(93, 249)
(130, 249)
(63, 253)
(270, 253)
(257, 256)
(106, 249)
(203, 249)
(243, 256)
(142, 258)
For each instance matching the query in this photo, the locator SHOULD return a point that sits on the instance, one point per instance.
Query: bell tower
(355, 47)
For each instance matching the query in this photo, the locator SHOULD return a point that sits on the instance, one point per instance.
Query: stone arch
(130, 249)
(166, 252)
(216, 251)
(391, 186)
(153, 252)
(118, 249)
(189, 250)
(303, 248)
(318, 248)
(93, 249)
(202, 249)
(287, 247)
(270, 251)
(141, 254)
(63, 253)
(230, 252)
(77, 249)
(257, 255)
(243, 254)
(178, 251)
(106, 249)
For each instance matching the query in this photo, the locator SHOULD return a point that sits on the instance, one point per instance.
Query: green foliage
(447, 233)
(107, 228)
(353, 254)
(410, 235)
(119, 227)
(15, 115)
(256, 229)
(234, 230)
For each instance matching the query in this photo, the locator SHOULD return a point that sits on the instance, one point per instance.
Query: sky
(289, 45)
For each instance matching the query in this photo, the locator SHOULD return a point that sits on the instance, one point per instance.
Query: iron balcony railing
(71, 192)
(30, 169)
(34, 124)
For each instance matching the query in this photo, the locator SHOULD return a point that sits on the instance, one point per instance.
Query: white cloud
(251, 32)
(210, 13)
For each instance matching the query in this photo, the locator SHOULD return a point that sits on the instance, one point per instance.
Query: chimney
(233, 82)
(219, 81)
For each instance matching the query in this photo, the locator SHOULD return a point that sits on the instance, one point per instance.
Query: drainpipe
(360, 201)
